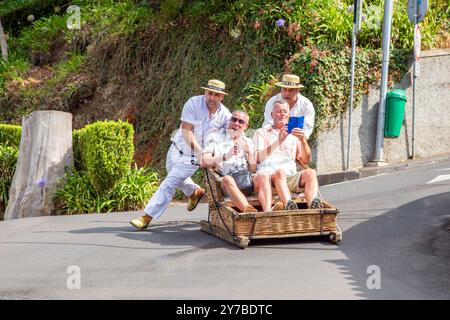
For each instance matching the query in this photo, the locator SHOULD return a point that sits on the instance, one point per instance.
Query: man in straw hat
(298, 104)
(277, 153)
(200, 116)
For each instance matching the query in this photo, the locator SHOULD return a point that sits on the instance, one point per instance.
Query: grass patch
(131, 192)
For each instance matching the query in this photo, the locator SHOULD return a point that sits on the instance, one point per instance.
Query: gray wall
(432, 121)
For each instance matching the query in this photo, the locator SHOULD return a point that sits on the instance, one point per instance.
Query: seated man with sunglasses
(231, 153)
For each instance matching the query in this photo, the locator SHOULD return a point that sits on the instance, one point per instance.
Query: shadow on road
(170, 233)
(411, 247)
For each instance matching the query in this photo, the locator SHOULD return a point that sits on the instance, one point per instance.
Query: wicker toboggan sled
(226, 222)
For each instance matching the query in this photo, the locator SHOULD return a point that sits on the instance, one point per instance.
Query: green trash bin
(395, 111)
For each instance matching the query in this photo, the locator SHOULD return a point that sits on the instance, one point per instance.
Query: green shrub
(106, 152)
(73, 63)
(8, 160)
(170, 9)
(41, 35)
(326, 77)
(134, 190)
(239, 41)
(109, 17)
(436, 21)
(10, 135)
(255, 103)
(76, 145)
(14, 68)
(14, 13)
(284, 26)
(131, 192)
(79, 196)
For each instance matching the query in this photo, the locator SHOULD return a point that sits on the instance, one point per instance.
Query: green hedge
(9, 150)
(103, 180)
(10, 135)
(8, 160)
(76, 145)
(105, 150)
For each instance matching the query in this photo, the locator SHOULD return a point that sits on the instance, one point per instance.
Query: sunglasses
(240, 121)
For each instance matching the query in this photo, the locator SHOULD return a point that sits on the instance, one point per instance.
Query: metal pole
(414, 83)
(349, 147)
(387, 22)
(357, 11)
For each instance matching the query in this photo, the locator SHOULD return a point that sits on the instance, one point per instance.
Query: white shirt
(195, 112)
(219, 143)
(283, 157)
(303, 107)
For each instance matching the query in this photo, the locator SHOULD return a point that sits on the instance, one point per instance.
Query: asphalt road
(396, 245)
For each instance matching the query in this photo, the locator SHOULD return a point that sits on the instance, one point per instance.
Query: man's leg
(236, 196)
(179, 169)
(188, 187)
(262, 186)
(280, 183)
(173, 157)
(308, 181)
(162, 197)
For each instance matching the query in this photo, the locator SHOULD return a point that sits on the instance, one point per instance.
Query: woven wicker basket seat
(225, 221)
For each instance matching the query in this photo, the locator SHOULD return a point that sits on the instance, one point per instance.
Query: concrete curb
(336, 177)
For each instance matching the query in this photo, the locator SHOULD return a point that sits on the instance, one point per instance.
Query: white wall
(432, 121)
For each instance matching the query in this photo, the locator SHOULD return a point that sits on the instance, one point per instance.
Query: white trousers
(179, 172)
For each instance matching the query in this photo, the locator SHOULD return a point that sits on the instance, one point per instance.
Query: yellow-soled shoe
(195, 198)
(142, 222)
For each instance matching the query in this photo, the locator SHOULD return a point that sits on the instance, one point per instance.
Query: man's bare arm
(209, 161)
(263, 154)
(187, 131)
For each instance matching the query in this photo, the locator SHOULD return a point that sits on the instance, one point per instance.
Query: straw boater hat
(215, 86)
(290, 81)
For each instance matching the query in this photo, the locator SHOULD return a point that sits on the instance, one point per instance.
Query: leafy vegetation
(10, 135)
(106, 153)
(110, 18)
(38, 38)
(8, 159)
(155, 54)
(16, 14)
(11, 71)
(327, 82)
(293, 23)
(102, 180)
(9, 149)
(131, 192)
